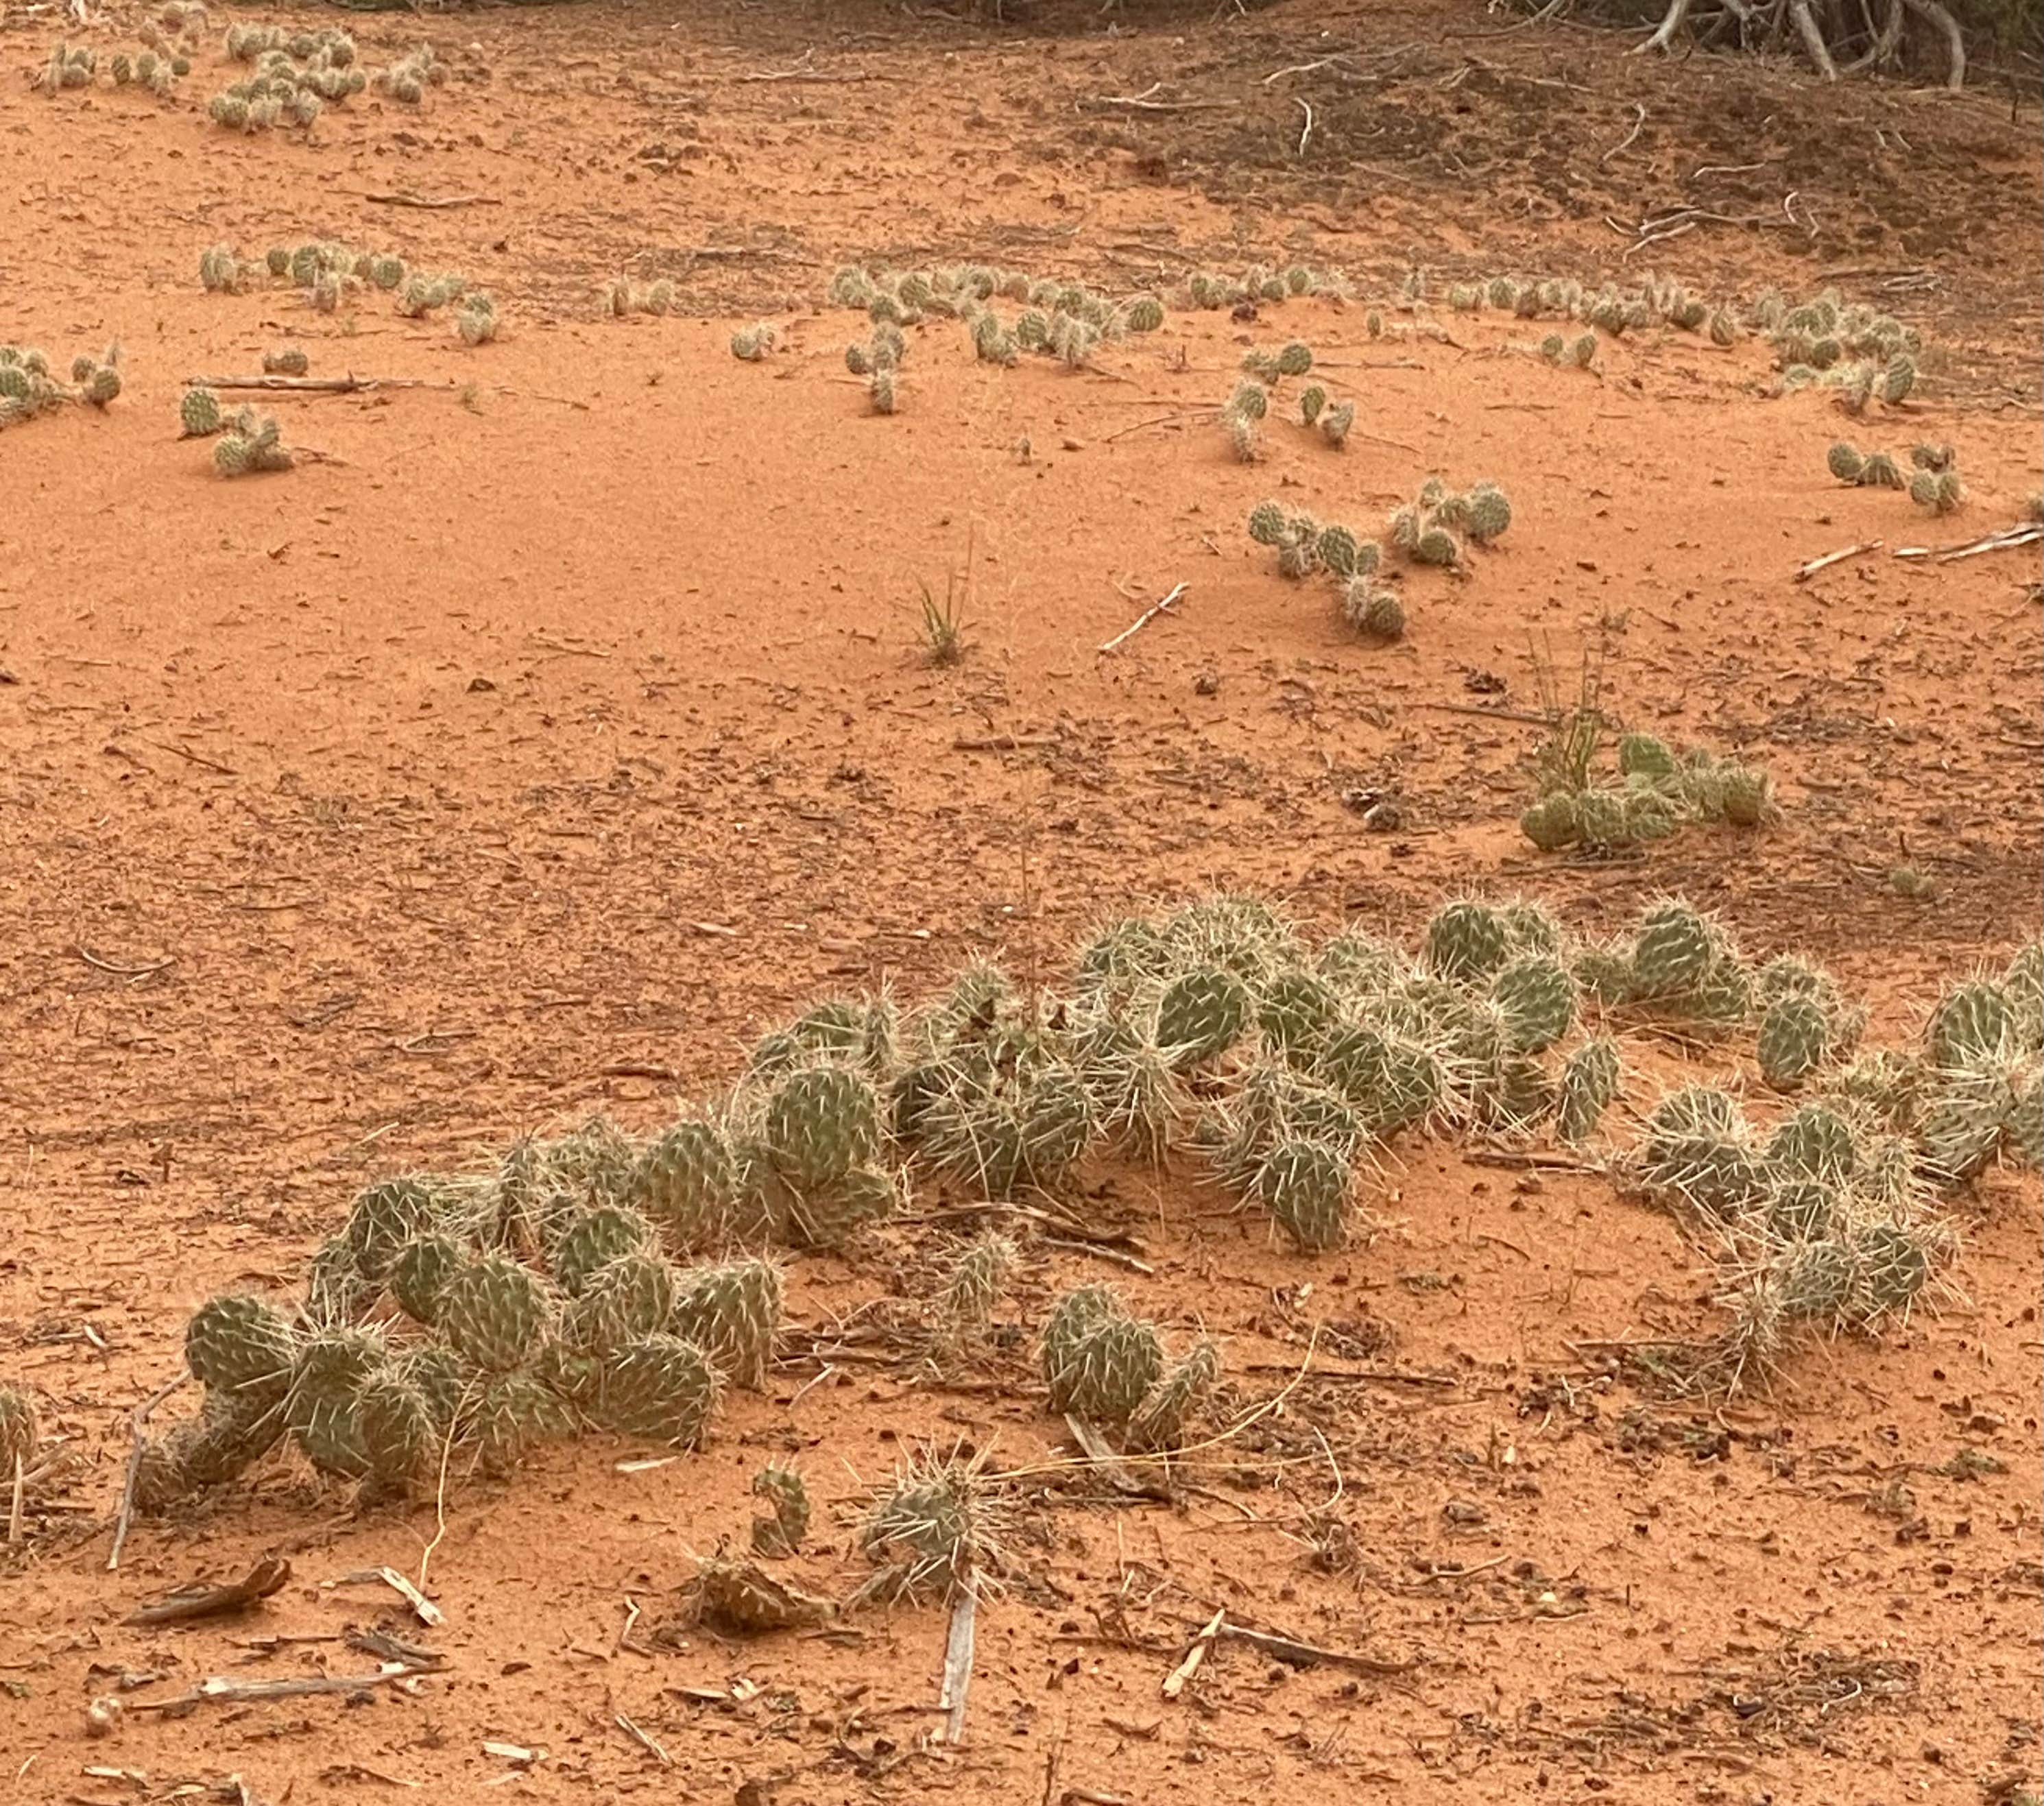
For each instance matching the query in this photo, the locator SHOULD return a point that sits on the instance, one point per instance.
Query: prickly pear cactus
(661, 1387)
(733, 1311)
(1589, 1085)
(1267, 522)
(327, 1375)
(630, 1297)
(231, 1433)
(198, 412)
(384, 1218)
(820, 1124)
(1305, 1186)
(1552, 822)
(236, 1342)
(1814, 1142)
(978, 1279)
(1538, 999)
(396, 1426)
(1795, 1040)
(593, 1239)
(1467, 941)
(1974, 1022)
(421, 1271)
(1177, 1400)
(685, 1184)
(788, 1498)
(1296, 1010)
(1201, 1014)
(506, 1416)
(1674, 951)
(495, 1314)
(1488, 514)
(1104, 1372)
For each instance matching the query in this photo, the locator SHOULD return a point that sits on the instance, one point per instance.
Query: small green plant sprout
(198, 414)
(477, 322)
(1336, 423)
(750, 344)
(943, 623)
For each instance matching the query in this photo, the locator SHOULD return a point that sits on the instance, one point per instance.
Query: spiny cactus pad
(495, 1314)
(238, 1342)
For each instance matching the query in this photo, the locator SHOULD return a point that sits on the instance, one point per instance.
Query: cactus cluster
(1865, 355)
(1258, 286)
(29, 387)
(1102, 1364)
(453, 1322)
(1580, 351)
(330, 273)
(520, 1306)
(408, 78)
(935, 1527)
(1431, 529)
(157, 69)
(1304, 545)
(1655, 792)
(1608, 309)
(249, 443)
(69, 66)
(295, 76)
(477, 321)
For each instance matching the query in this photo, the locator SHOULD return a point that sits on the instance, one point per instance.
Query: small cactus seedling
(788, 1498)
(477, 322)
(750, 345)
(198, 414)
(1337, 422)
(1939, 491)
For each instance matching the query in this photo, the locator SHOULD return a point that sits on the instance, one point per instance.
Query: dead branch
(1813, 40)
(957, 1663)
(187, 1602)
(1297, 1655)
(138, 1427)
(400, 199)
(315, 385)
(1934, 13)
(1144, 619)
(222, 1688)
